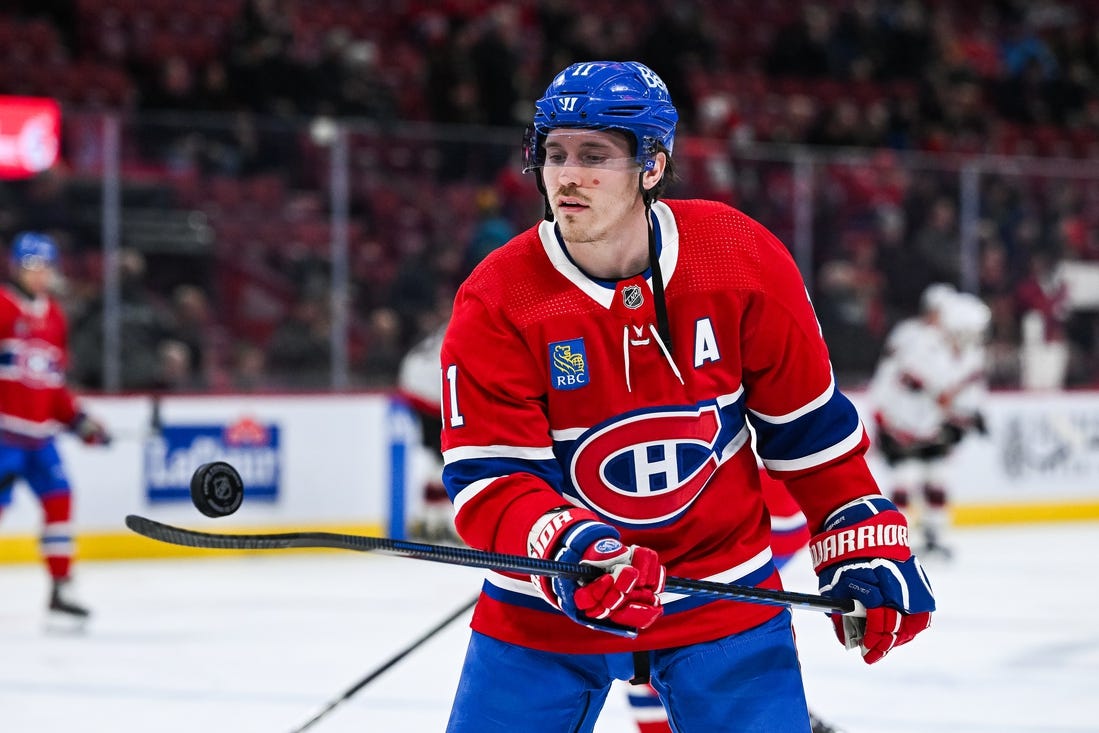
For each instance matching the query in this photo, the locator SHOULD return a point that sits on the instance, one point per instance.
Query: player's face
(592, 183)
(38, 280)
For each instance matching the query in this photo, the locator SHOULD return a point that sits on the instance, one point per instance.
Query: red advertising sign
(30, 135)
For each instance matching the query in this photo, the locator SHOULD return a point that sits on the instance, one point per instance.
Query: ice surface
(262, 642)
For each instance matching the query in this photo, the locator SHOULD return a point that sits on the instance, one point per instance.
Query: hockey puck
(217, 489)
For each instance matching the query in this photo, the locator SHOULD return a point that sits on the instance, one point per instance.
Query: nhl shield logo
(632, 297)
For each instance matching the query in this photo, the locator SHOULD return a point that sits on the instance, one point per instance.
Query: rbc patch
(568, 364)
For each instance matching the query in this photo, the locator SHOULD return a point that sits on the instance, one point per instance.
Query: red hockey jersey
(558, 390)
(34, 401)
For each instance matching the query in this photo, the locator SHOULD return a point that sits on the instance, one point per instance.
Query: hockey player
(927, 393)
(35, 404)
(418, 382)
(600, 373)
(932, 302)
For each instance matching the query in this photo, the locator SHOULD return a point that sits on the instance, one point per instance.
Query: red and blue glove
(622, 601)
(89, 430)
(862, 553)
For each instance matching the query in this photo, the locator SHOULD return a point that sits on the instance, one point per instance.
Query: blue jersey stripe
(460, 474)
(816, 431)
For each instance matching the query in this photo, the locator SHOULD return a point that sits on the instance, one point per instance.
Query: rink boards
(348, 463)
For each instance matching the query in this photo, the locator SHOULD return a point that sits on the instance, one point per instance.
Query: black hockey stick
(473, 558)
(427, 635)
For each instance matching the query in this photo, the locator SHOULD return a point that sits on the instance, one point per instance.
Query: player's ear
(652, 175)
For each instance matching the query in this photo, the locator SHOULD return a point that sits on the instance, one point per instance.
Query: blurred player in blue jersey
(602, 373)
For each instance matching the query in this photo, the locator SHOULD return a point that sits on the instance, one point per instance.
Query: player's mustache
(570, 192)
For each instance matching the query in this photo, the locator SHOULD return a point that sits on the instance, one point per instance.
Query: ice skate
(933, 547)
(64, 611)
(934, 550)
(819, 726)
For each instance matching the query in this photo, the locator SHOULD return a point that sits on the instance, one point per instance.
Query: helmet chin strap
(663, 327)
(548, 213)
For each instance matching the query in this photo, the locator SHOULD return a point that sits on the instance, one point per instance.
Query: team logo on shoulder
(632, 297)
(568, 364)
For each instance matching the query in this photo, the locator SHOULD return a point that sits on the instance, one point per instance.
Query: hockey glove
(862, 553)
(90, 431)
(971, 423)
(621, 601)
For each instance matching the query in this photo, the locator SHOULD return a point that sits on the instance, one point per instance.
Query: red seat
(41, 38)
(266, 192)
(226, 193)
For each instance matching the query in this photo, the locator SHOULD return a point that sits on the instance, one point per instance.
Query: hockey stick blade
(472, 558)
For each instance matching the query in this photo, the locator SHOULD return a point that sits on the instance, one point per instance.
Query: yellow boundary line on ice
(966, 515)
(129, 546)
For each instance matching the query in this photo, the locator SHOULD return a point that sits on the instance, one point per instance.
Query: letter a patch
(568, 364)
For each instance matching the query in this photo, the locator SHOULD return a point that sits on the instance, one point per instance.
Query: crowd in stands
(230, 102)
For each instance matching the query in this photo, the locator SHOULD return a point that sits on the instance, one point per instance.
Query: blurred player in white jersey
(932, 302)
(418, 382)
(927, 394)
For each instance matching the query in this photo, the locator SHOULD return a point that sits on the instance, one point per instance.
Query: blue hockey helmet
(617, 95)
(33, 251)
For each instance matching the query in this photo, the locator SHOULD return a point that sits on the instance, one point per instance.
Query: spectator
(172, 86)
(491, 230)
(1042, 302)
(299, 351)
(801, 48)
(194, 329)
(938, 243)
(175, 373)
(44, 204)
(143, 323)
(261, 65)
(384, 348)
(495, 56)
(249, 372)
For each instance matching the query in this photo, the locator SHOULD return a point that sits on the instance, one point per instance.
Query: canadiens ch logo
(650, 467)
(568, 364)
(632, 297)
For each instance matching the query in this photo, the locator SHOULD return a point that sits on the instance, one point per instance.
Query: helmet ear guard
(534, 154)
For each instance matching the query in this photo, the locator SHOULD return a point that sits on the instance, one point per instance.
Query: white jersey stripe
(818, 402)
(467, 452)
